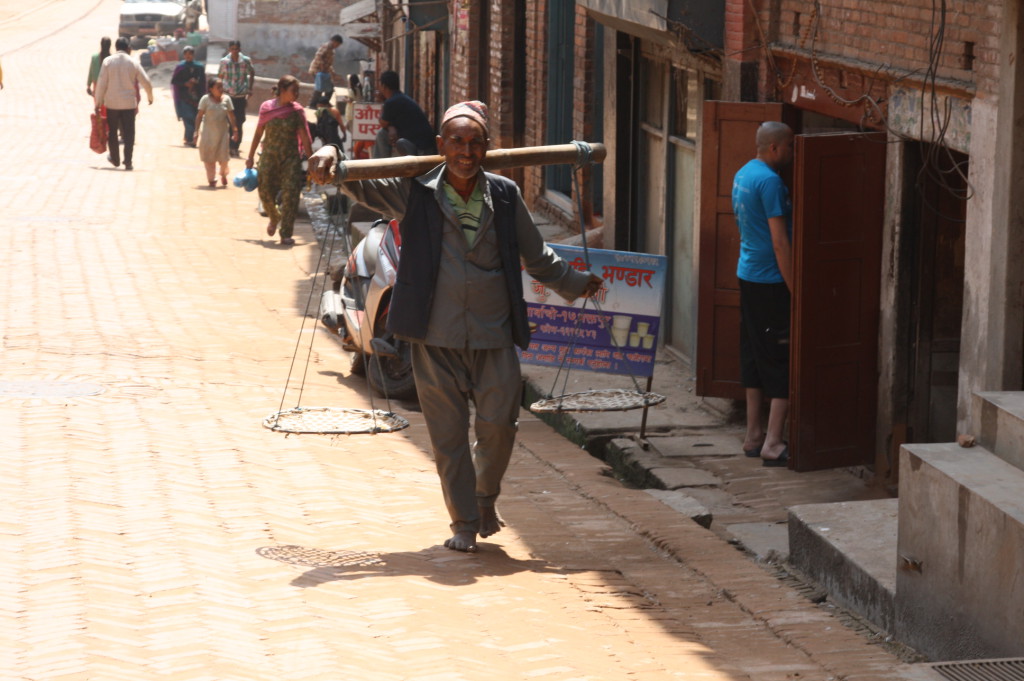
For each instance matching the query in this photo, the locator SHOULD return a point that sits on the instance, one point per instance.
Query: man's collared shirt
(237, 75)
(119, 82)
(323, 62)
(467, 212)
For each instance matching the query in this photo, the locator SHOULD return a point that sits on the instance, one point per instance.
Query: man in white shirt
(118, 90)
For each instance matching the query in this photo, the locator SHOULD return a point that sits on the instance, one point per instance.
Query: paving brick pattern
(155, 530)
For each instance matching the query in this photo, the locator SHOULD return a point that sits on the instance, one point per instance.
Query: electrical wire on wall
(940, 164)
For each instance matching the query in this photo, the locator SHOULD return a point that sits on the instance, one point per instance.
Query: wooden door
(727, 143)
(940, 212)
(839, 196)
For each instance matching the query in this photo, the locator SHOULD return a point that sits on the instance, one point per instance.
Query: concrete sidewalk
(153, 529)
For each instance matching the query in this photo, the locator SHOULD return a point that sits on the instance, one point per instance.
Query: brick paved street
(151, 528)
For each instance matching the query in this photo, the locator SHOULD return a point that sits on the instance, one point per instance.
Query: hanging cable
(608, 399)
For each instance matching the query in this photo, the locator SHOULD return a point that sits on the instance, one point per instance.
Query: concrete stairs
(849, 549)
(940, 568)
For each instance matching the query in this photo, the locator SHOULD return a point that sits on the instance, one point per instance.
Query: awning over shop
(360, 20)
(640, 13)
(429, 15)
(698, 23)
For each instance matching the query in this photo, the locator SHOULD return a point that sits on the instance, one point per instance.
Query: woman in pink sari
(283, 121)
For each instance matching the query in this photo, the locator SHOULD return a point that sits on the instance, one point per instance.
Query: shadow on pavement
(435, 563)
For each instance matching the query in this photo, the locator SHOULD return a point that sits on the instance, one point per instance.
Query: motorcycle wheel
(392, 377)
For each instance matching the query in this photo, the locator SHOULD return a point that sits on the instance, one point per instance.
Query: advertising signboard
(618, 334)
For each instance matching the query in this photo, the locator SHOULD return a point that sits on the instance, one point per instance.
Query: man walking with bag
(118, 90)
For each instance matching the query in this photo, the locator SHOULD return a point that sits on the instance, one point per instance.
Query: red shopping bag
(98, 137)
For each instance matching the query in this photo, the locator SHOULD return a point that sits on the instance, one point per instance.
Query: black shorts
(764, 338)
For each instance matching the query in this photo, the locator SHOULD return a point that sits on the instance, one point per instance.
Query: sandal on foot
(288, 241)
(271, 229)
(778, 462)
(753, 453)
(224, 180)
(213, 183)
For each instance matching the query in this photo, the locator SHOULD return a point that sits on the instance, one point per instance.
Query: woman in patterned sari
(283, 121)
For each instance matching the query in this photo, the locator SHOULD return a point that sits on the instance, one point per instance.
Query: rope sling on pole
(330, 420)
(341, 420)
(610, 399)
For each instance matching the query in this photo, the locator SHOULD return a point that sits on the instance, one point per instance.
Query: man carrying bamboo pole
(459, 302)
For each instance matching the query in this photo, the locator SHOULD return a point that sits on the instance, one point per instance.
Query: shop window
(561, 22)
(687, 96)
(653, 93)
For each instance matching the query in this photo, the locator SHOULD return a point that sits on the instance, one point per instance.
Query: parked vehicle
(141, 18)
(357, 309)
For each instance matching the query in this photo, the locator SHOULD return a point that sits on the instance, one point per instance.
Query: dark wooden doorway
(937, 215)
(838, 192)
(727, 143)
(838, 209)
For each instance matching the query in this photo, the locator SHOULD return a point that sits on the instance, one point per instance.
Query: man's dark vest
(422, 232)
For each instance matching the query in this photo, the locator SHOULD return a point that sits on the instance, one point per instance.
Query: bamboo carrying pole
(497, 159)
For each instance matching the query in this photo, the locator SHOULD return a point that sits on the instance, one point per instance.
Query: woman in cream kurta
(216, 108)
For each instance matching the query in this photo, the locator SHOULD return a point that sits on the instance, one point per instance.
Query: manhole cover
(30, 389)
(313, 557)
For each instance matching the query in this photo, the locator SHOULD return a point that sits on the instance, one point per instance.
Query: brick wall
(501, 72)
(895, 36)
(464, 55)
(282, 36)
(739, 31)
(294, 12)
(491, 25)
(536, 99)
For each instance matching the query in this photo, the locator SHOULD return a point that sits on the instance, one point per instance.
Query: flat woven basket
(334, 420)
(612, 399)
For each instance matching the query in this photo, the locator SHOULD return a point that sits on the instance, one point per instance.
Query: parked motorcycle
(357, 309)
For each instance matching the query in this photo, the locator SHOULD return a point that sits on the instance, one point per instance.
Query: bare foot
(464, 541)
(272, 229)
(490, 523)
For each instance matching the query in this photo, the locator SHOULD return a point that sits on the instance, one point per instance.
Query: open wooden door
(838, 208)
(727, 142)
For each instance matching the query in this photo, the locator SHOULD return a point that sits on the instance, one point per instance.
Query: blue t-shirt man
(758, 193)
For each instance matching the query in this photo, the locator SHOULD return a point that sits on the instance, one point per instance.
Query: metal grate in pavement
(34, 388)
(1006, 669)
(314, 557)
(323, 420)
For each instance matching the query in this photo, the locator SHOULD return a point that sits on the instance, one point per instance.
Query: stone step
(849, 549)
(999, 418)
(959, 592)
